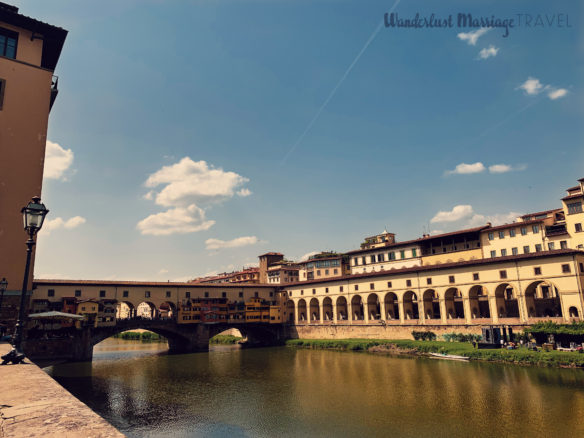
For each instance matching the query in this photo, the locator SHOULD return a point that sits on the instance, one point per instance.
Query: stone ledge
(32, 405)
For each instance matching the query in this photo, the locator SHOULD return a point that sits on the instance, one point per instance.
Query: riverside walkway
(32, 404)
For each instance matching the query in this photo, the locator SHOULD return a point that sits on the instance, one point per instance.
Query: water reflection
(286, 392)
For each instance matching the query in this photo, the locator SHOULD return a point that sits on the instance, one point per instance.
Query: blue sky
(150, 89)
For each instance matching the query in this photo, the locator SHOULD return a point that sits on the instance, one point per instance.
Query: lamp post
(34, 216)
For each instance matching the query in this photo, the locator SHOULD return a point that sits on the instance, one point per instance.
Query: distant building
(324, 265)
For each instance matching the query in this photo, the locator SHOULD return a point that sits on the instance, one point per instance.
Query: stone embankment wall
(32, 404)
(378, 331)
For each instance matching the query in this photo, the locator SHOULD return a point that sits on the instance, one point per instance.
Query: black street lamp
(34, 216)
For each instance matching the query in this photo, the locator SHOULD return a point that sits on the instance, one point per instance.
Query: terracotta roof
(117, 283)
(420, 240)
(555, 253)
(577, 195)
(516, 224)
(539, 213)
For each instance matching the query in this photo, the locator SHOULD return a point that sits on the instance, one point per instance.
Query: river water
(285, 392)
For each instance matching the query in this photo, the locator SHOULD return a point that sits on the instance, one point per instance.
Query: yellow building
(29, 51)
(89, 309)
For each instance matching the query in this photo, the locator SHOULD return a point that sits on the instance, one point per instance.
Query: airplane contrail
(339, 83)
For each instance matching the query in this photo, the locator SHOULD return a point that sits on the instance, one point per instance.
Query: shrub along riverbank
(225, 339)
(140, 336)
(520, 356)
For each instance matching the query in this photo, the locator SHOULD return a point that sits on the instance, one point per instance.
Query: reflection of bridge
(78, 346)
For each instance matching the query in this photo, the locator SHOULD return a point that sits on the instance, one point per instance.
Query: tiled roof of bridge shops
(436, 267)
(420, 240)
(147, 284)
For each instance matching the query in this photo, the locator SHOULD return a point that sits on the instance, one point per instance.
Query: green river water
(286, 392)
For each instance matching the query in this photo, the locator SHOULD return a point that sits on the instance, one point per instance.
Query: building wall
(519, 241)
(452, 257)
(576, 238)
(370, 261)
(23, 131)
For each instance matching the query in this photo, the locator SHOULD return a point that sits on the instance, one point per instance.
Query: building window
(451, 278)
(564, 244)
(535, 229)
(503, 274)
(335, 271)
(428, 281)
(372, 259)
(77, 293)
(537, 270)
(147, 294)
(566, 269)
(574, 208)
(512, 232)
(187, 294)
(503, 252)
(380, 257)
(241, 294)
(392, 255)
(581, 267)
(501, 234)
(493, 253)
(302, 292)
(389, 284)
(326, 290)
(514, 251)
(356, 287)
(538, 247)
(124, 293)
(51, 292)
(8, 43)
(355, 261)
(526, 249)
(551, 246)
(475, 276)
(491, 236)
(523, 231)
(326, 272)
(371, 286)
(340, 288)
(363, 261)
(256, 294)
(578, 228)
(206, 294)
(408, 283)
(101, 293)
(224, 294)
(402, 254)
(318, 273)
(414, 252)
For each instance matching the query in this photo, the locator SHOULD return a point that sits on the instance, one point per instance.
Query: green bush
(225, 339)
(424, 336)
(461, 337)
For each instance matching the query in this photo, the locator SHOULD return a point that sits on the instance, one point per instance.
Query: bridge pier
(190, 341)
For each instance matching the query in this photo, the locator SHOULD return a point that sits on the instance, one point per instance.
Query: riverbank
(520, 356)
(32, 404)
(225, 339)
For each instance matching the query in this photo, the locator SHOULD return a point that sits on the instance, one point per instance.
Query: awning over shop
(55, 315)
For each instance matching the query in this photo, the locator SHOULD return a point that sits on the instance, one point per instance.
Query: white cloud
(308, 255)
(459, 212)
(59, 222)
(234, 243)
(532, 86)
(57, 161)
(488, 52)
(557, 93)
(464, 168)
(495, 219)
(504, 168)
(472, 37)
(163, 271)
(244, 192)
(175, 221)
(193, 182)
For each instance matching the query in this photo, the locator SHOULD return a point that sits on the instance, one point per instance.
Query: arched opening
(453, 302)
(479, 302)
(373, 307)
(573, 312)
(431, 304)
(411, 305)
(167, 310)
(327, 309)
(342, 311)
(391, 306)
(357, 308)
(125, 310)
(314, 310)
(506, 301)
(543, 300)
(302, 310)
(290, 311)
(146, 310)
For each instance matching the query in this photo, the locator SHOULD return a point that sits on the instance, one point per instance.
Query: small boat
(449, 357)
